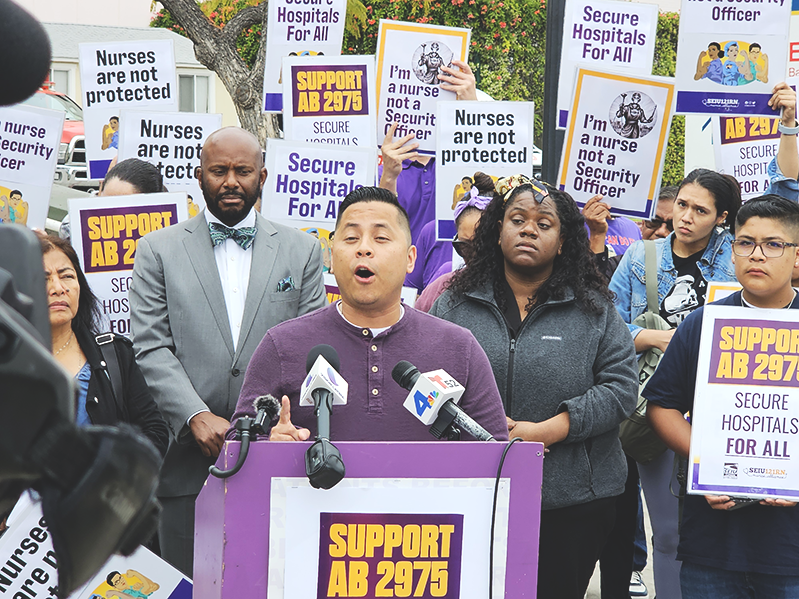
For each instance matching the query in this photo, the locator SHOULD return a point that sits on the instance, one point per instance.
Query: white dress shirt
(233, 264)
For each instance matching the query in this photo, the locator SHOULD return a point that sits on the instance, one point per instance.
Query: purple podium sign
(231, 545)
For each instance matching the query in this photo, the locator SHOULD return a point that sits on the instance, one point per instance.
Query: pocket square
(286, 284)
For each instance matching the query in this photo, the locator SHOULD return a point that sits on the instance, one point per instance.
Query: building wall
(121, 13)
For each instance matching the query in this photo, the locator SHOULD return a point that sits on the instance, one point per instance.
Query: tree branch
(252, 15)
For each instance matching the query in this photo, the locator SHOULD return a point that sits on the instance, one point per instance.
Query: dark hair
(484, 183)
(116, 118)
(145, 177)
(573, 268)
(110, 578)
(15, 192)
(668, 193)
(89, 314)
(770, 206)
(754, 45)
(718, 45)
(374, 194)
(469, 179)
(725, 189)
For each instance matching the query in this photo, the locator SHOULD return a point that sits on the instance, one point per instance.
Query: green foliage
(219, 12)
(507, 43)
(664, 64)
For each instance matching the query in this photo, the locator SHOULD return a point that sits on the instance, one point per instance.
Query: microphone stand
(244, 428)
(323, 464)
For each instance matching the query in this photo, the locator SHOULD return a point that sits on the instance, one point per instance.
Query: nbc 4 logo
(425, 402)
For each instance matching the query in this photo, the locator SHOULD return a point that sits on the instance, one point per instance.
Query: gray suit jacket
(181, 331)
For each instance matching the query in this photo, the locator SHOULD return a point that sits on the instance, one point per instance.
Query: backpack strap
(106, 344)
(650, 257)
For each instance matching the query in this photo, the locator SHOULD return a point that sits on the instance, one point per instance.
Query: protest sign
(29, 141)
(717, 290)
(616, 141)
(604, 34)
(730, 56)
(409, 59)
(493, 137)
(745, 419)
(117, 75)
(26, 549)
(173, 143)
(793, 48)
(744, 148)
(307, 182)
(330, 100)
(295, 28)
(105, 233)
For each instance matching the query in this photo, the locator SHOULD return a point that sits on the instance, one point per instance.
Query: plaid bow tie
(244, 236)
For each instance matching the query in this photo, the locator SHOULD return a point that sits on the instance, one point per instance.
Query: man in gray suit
(204, 293)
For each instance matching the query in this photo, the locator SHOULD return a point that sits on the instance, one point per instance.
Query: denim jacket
(629, 280)
(780, 184)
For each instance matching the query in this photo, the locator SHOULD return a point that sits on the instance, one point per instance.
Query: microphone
(25, 49)
(433, 399)
(325, 387)
(266, 407)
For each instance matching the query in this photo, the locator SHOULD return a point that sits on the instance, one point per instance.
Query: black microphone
(26, 53)
(266, 407)
(434, 395)
(323, 464)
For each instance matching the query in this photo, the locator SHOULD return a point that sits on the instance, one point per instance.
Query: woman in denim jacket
(697, 252)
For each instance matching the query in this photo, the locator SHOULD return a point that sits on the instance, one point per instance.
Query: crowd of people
(542, 324)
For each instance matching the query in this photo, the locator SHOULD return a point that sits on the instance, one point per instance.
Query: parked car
(538, 161)
(71, 170)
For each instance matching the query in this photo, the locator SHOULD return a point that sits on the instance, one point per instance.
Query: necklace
(63, 347)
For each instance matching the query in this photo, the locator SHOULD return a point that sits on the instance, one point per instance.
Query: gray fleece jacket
(563, 359)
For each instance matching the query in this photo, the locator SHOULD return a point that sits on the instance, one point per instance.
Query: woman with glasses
(563, 360)
(467, 215)
(698, 251)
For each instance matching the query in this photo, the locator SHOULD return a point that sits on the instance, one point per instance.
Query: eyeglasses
(461, 247)
(656, 223)
(770, 249)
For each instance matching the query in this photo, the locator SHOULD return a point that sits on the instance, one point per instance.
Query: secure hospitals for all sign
(745, 421)
(616, 140)
(602, 34)
(730, 55)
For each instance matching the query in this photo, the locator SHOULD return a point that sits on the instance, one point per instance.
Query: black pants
(176, 532)
(616, 560)
(571, 540)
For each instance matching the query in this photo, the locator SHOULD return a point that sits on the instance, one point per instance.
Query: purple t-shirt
(431, 255)
(374, 410)
(622, 233)
(416, 192)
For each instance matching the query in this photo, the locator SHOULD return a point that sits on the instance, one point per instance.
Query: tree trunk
(215, 48)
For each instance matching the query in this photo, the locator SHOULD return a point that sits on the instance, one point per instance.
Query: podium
(422, 511)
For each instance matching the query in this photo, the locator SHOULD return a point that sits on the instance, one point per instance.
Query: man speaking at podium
(371, 330)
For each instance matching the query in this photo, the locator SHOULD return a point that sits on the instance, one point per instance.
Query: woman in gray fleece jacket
(563, 360)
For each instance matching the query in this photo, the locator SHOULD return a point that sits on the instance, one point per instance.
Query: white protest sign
(745, 419)
(294, 28)
(330, 100)
(493, 137)
(171, 141)
(117, 75)
(604, 34)
(409, 60)
(730, 56)
(744, 147)
(29, 140)
(616, 141)
(26, 549)
(105, 233)
(307, 182)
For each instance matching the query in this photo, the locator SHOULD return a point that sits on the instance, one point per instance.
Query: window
(193, 93)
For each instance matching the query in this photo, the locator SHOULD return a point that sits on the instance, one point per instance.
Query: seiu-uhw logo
(730, 470)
